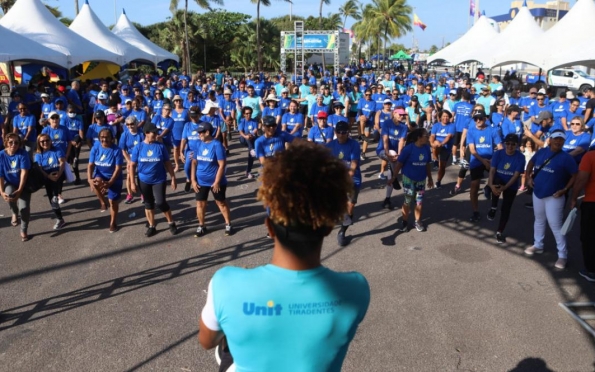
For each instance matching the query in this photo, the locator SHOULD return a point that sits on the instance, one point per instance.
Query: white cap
(541, 91)
(209, 105)
(558, 134)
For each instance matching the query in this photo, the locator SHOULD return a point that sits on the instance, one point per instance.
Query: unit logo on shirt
(205, 152)
(135, 143)
(102, 158)
(56, 136)
(396, 132)
(149, 153)
(572, 142)
(13, 164)
(442, 130)
(271, 146)
(269, 310)
(507, 165)
(341, 155)
(194, 133)
(482, 139)
(421, 157)
(50, 160)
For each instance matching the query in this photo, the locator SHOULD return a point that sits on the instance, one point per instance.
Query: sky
(446, 20)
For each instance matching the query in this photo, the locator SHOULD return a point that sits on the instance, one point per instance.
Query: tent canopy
(522, 31)
(400, 55)
(16, 47)
(88, 25)
(33, 20)
(481, 31)
(125, 30)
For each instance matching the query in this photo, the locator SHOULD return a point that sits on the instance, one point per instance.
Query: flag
(348, 31)
(418, 22)
(472, 8)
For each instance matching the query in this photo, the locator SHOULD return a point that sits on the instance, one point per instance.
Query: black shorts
(477, 173)
(203, 193)
(304, 110)
(444, 154)
(458, 137)
(352, 114)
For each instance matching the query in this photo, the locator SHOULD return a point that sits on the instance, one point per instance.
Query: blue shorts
(177, 142)
(115, 191)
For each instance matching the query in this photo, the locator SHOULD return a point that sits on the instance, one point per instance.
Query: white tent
(557, 46)
(89, 26)
(481, 31)
(127, 32)
(520, 33)
(33, 20)
(18, 48)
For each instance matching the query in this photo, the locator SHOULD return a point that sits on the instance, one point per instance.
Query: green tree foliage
(350, 9)
(243, 53)
(433, 49)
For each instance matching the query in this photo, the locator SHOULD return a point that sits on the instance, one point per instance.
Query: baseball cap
(544, 115)
(479, 115)
(45, 95)
(387, 102)
(177, 97)
(284, 90)
(338, 104)
(511, 137)
(227, 91)
(193, 113)
(322, 115)
(569, 95)
(151, 128)
(485, 88)
(100, 114)
(342, 126)
(204, 126)
(558, 134)
(400, 111)
(52, 114)
(102, 95)
(128, 100)
(541, 91)
(269, 121)
(61, 88)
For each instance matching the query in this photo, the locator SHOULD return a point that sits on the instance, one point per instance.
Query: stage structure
(301, 42)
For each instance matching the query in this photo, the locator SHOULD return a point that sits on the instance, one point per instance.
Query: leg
(114, 206)
(222, 203)
(540, 221)
(588, 235)
(200, 211)
(554, 210)
(160, 202)
(473, 195)
(507, 201)
(176, 158)
(23, 204)
(149, 201)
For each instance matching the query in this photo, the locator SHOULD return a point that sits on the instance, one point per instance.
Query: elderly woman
(14, 168)
(577, 139)
(104, 174)
(52, 161)
(551, 174)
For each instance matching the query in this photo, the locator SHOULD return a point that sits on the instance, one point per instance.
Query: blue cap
(204, 126)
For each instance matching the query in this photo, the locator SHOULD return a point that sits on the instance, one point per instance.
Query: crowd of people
(147, 128)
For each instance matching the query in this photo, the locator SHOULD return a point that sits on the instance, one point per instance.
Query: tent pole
(10, 73)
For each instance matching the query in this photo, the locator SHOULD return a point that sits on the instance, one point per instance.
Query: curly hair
(305, 185)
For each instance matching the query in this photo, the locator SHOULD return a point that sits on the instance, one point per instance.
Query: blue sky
(446, 19)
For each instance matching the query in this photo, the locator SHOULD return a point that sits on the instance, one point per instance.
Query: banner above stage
(312, 41)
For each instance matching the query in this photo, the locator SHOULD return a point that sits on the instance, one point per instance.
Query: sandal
(24, 236)
(14, 221)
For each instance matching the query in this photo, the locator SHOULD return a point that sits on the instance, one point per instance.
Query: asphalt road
(449, 299)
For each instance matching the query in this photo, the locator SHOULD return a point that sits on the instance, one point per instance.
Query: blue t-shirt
(216, 122)
(442, 131)
(60, 136)
(150, 159)
(559, 110)
(128, 140)
(367, 108)
(291, 121)
(555, 175)
(395, 133)
(49, 160)
(23, 124)
(497, 119)
(247, 126)
(46, 108)
(509, 127)
(74, 126)
(274, 112)
(191, 136)
(321, 135)
(163, 124)
(506, 165)
(93, 132)
(485, 140)
(462, 111)
(11, 165)
(535, 110)
(106, 160)
(573, 141)
(228, 107)
(208, 155)
(267, 147)
(348, 152)
(334, 119)
(140, 116)
(289, 314)
(180, 119)
(415, 159)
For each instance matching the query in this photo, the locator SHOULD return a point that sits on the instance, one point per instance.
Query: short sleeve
(208, 316)
(135, 151)
(92, 154)
(521, 163)
(220, 151)
(122, 141)
(119, 156)
(495, 159)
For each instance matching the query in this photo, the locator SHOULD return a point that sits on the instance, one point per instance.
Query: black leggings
(250, 145)
(75, 153)
(508, 196)
(53, 189)
(154, 195)
(588, 235)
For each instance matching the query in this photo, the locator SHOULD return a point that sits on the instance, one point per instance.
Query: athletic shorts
(477, 173)
(203, 193)
(176, 142)
(304, 110)
(444, 154)
(458, 138)
(352, 114)
(413, 190)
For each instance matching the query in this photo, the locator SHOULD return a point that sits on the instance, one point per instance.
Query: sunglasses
(55, 117)
(540, 99)
(367, 95)
(479, 119)
(574, 123)
(44, 141)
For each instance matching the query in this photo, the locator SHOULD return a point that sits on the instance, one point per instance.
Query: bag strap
(537, 169)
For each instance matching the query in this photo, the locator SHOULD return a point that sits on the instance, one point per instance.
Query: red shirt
(588, 165)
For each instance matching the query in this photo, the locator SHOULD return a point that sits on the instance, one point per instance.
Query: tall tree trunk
(258, 47)
(76, 7)
(320, 28)
(385, 41)
(186, 46)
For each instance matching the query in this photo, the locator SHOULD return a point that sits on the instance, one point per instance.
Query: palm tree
(322, 2)
(350, 9)
(394, 17)
(258, 42)
(173, 6)
(5, 5)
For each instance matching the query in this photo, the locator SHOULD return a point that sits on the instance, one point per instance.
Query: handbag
(567, 226)
(69, 176)
(35, 179)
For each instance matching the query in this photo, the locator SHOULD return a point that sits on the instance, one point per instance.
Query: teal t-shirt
(284, 320)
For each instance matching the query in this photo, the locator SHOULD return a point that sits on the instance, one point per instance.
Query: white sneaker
(61, 200)
(532, 250)
(253, 153)
(560, 264)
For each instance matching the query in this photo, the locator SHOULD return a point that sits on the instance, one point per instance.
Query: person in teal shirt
(293, 314)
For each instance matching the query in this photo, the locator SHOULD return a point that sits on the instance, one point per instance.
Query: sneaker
(128, 199)
(529, 205)
(113, 229)
(455, 191)
(347, 221)
(268, 236)
(200, 231)
(438, 185)
(419, 226)
(187, 187)
(455, 161)
(560, 264)
(59, 224)
(142, 199)
(173, 229)
(396, 184)
(61, 200)
(386, 204)
(475, 217)
(491, 214)
(587, 275)
(435, 165)
(151, 230)
(500, 239)
(341, 238)
(532, 250)
(487, 192)
(253, 153)
(404, 226)
(249, 176)
(382, 176)
(362, 157)
(227, 230)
